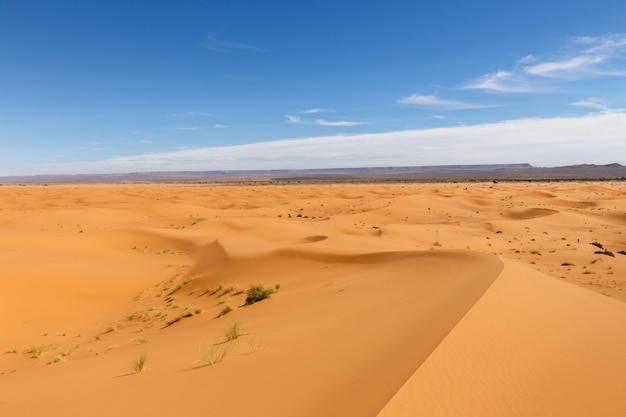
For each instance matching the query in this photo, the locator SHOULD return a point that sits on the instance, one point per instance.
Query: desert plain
(406, 299)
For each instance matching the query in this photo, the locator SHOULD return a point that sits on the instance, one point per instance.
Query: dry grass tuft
(139, 364)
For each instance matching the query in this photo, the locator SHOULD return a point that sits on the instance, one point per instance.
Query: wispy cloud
(593, 102)
(214, 43)
(316, 111)
(192, 128)
(581, 58)
(293, 119)
(596, 104)
(323, 122)
(594, 138)
(506, 82)
(439, 103)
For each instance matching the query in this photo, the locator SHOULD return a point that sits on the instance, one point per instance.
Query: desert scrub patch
(233, 332)
(35, 351)
(227, 309)
(212, 354)
(188, 312)
(139, 363)
(605, 252)
(139, 340)
(180, 285)
(257, 293)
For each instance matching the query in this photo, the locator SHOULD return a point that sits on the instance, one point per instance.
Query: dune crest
(530, 346)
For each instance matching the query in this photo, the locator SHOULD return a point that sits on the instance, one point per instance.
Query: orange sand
(394, 300)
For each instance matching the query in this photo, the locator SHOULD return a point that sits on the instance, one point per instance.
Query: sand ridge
(376, 286)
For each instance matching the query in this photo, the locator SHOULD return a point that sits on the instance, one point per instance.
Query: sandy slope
(390, 297)
(530, 346)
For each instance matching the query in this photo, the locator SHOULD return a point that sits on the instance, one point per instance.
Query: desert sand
(455, 299)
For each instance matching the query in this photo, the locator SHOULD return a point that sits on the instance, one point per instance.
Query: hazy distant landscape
(501, 172)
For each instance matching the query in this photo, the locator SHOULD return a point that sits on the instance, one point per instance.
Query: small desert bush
(227, 309)
(212, 354)
(139, 364)
(34, 351)
(233, 332)
(188, 312)
(257, 293)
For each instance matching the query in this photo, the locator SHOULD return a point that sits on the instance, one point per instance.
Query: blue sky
(123, 86)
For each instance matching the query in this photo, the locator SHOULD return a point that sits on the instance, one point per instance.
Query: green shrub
(257, 293)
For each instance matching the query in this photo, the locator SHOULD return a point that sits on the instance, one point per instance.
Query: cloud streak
(322, 122)
(581, 58)
(596, 138)
(316, 111)
(439, 103)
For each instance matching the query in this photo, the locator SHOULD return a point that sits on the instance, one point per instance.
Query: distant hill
(488, 172)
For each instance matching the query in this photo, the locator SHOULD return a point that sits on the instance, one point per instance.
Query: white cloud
(505, 82)
(593, 103)
(581, 58)
(597, 138)
(323, 122)
(574, 67)
(436, 102)
(316, 111)
(293, 119)
(219, 126)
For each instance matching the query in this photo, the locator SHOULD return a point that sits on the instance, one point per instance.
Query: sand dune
(389, 300)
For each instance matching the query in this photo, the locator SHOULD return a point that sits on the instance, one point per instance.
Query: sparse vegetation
(35, 351)
(257, 293)
(188, 312)
(139, 340)
(605, 252)
(233, 332)
(139, 364)
(227, 309)
(212, 354)
(598, 244)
